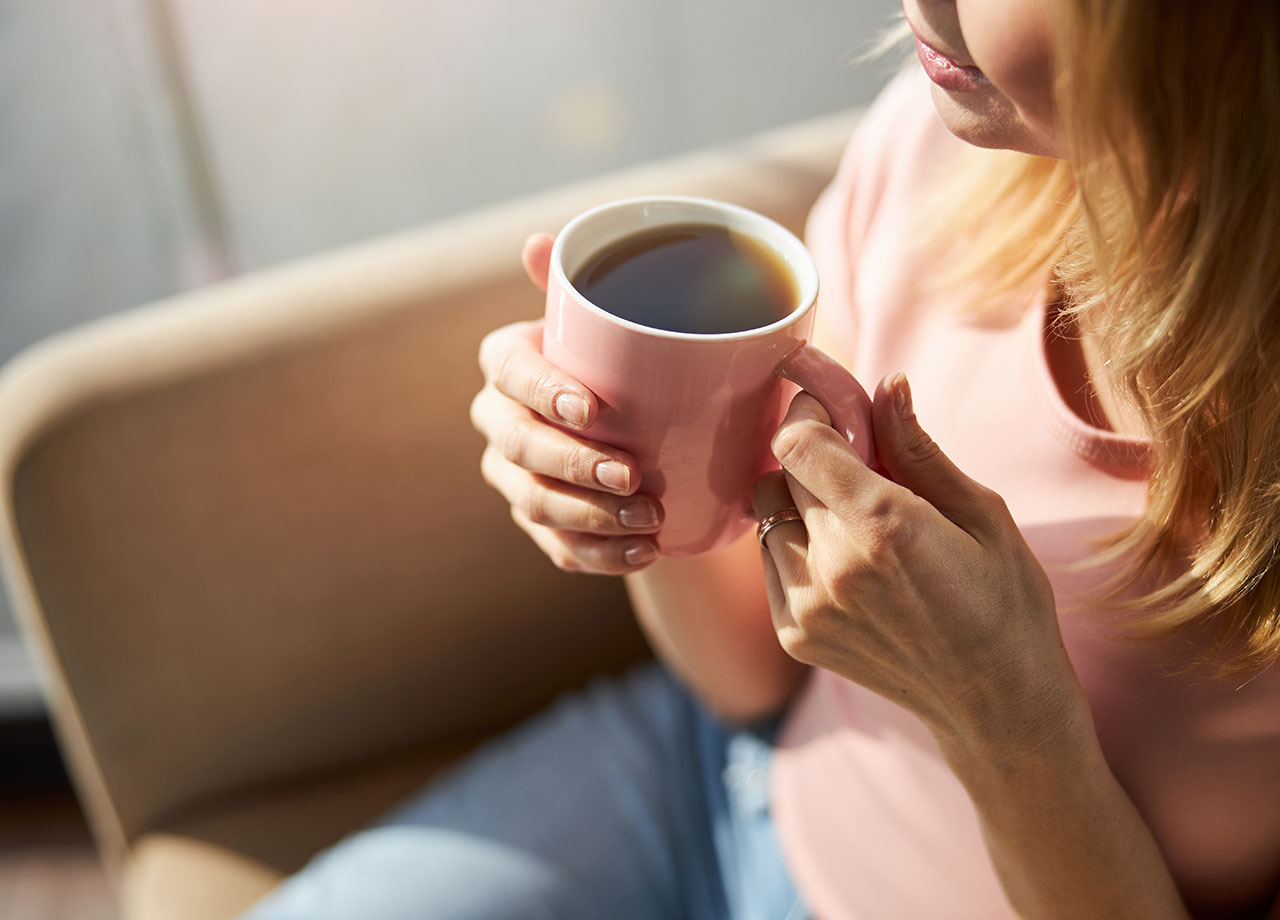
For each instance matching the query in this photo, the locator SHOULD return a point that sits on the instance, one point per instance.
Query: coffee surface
(694, 278)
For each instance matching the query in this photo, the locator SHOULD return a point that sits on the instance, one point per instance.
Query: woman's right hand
(574, 497)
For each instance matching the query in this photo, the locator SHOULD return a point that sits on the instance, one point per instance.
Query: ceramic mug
(697, 411)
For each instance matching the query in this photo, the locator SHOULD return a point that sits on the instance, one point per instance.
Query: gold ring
(781, 516)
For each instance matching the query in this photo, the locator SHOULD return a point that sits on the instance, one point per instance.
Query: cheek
(1012, 42)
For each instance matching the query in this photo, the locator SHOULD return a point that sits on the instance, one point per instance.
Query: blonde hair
(1163, 227)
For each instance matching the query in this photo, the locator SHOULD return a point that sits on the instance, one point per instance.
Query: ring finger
(786, 546)
(562, 506)
(771, 497)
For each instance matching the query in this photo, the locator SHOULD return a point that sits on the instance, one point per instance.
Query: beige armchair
(246, 538)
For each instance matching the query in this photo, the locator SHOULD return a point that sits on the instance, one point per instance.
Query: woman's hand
(918, 586)
(574, 497)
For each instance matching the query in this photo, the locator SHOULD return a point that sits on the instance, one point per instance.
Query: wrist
(1037, 735)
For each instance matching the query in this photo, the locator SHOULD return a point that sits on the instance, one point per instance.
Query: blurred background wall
(152, 146)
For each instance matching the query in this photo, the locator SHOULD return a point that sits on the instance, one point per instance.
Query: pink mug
(697, 411)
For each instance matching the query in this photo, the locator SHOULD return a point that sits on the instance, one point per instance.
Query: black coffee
(695, 278)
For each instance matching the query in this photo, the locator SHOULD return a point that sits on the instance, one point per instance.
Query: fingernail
(640, 553)
(613, 475)
(638, 514)
(571, 409)
(901, 394)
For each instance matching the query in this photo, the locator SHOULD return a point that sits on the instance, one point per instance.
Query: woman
(1037, 687)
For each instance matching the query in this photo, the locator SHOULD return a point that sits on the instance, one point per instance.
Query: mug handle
(848, 404)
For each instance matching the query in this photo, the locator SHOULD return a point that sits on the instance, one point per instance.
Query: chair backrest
(244, 530)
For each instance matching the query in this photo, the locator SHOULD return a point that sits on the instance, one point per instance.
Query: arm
(920, 587)
(1064, 837)
(708, 618)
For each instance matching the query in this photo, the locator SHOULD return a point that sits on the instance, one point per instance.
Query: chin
(987, 119)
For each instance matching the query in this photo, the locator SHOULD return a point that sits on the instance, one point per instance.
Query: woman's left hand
(918, 586)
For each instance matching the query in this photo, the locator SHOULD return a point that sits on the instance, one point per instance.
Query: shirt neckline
(1129, 454)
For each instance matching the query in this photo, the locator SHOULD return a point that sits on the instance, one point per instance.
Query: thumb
(911, 458)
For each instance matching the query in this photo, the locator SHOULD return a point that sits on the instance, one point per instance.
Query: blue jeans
(624, 800)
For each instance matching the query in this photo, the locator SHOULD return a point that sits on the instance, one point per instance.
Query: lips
(945, 72)
(941, 67)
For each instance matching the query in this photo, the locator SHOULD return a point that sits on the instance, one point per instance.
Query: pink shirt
(873, 824)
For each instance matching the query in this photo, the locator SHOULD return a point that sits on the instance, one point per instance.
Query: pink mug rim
(792, 250)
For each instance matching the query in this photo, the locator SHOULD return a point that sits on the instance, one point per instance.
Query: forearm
(708, 618)
(1065, 839)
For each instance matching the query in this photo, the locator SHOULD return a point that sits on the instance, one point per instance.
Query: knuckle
(995, 504)
(535, 505)
(489, 462)
(609, 557)
(502, 369)
(578, 465)
(604, 518)
(539, 535)
(890, 526)
(522, 522)
(789, 639)
(798, 643)
(889, 539)
(885, 522)
(919, 446)
(848, 580)
(564, 560)
(787, 442)
(481, 406)
(484, 354)
(868, 504)
(543, 389)
(856, 574)
(768, 488)
(793, 438)
(500, 476)
(515, 441)
(591, 518)
(987, 509)
(495, 351)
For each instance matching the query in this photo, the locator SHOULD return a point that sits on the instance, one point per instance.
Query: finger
(512, 361)
(820, 458)
(578, 552)
(770, 496)
(536, 258)
(915, 461)
(566, 507)
(526, 440)
(784, 555)
(785, 546)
